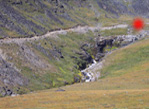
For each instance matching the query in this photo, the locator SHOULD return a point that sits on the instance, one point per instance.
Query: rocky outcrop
(10, 77)
(124, 40)
(92, 72)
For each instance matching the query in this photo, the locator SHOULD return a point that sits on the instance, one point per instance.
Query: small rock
(60, 90)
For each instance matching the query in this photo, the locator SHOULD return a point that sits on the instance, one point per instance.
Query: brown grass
(94, 99)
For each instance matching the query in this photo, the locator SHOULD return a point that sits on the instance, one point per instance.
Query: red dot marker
(138, 24)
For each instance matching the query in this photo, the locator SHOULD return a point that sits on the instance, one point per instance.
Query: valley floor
(91, 99)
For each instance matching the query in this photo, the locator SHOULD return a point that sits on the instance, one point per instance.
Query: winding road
(54, 34)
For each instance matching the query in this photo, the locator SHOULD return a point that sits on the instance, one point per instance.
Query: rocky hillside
(54, 59)
(43, 63)
(26, 18)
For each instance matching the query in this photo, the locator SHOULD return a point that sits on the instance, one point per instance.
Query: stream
(92, 73)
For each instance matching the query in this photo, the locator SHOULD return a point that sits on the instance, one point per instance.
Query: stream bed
(92, 72)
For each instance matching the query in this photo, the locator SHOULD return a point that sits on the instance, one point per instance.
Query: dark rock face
(130, 7)
(96, 50)
(77, 79)
(50, 15)
(141, 7)
(113, 6)
(9, 77)
(16, 16)
(10, 25)
(100, 45)
(84, 56)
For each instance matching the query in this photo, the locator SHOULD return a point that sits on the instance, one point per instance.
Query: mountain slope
(126, 88)
(29, 64)
(26, 18)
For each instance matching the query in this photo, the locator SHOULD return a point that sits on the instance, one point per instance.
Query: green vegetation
(46, 16)
(31, 11)
(108, 48)
(60, 70)
(124, 86)
(127, 60)
(54, 61)
(114, 32)
(126, 68)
